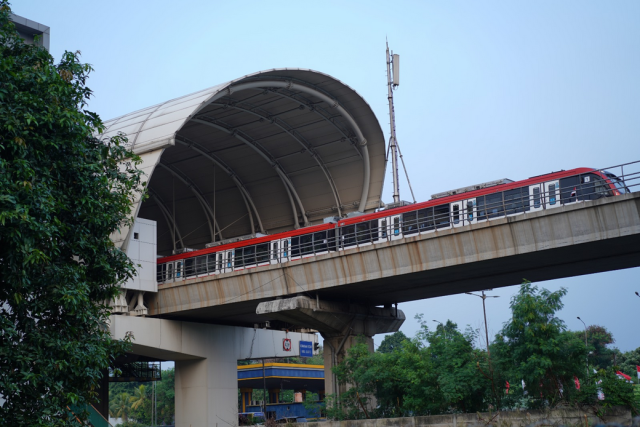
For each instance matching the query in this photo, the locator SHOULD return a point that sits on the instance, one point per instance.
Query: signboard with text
(306, 349)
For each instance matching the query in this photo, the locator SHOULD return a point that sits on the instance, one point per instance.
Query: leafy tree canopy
(63, 192)
(392, 342)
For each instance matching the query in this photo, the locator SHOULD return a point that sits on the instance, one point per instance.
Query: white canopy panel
(268, 152)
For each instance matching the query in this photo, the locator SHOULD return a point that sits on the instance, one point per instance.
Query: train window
(494, 205)
(178, 269)
(362, 232)
(211, 263)
(441, 216)
(201, 264)
(262, 253)
(220, 261)
(274, 253)
(320, 241)
(160, 270)
(383, 228)
(396, 226)
(569, 189)
(238, 258)
(229, 259)
(189, 267)
(249, 253)
(285, 248)
(552, 194)
(516, 200)
(348, 235)
(456, 214)
(295, 246)
(425, 219)
(306, 244)
(470, 210)
(536, 197)
(410, 222)
(373, 229)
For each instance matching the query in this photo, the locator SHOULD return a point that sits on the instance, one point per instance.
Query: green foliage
(391, 342)
(438, 372)
(534, 346)
(628, 361)
(598, 338)
(616, 392)
(140, 397)
(63, 192)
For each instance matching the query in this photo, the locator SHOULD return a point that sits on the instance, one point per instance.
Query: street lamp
(484, 310)
(585, 342)
(486, 333)
(443, 329)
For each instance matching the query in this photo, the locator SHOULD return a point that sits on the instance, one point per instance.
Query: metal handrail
(402, 225)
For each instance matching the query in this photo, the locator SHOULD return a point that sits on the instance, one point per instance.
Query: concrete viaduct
(284, 149)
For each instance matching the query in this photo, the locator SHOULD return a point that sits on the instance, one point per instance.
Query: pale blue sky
(488, 90)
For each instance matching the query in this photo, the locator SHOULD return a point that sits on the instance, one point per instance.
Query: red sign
(286, 344)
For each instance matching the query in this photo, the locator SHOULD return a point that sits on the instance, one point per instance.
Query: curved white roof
(270, 151)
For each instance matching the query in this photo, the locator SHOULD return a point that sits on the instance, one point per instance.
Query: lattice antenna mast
(393, 80)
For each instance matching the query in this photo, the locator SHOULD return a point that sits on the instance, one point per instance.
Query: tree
(120, 407)
(628, 362)
(392, 342)
(535, 347)
(63, 192)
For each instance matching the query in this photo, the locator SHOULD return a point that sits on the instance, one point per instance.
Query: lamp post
(484, 310)
(486, 332)
(585, 343)
(443, 329)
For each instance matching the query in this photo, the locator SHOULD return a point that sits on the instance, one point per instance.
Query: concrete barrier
(556, 417)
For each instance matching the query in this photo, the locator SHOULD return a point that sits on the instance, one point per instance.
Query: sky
(488, 90)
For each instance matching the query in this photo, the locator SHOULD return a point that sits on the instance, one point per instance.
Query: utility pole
(486, 332)
(585, 344)
(393, 82)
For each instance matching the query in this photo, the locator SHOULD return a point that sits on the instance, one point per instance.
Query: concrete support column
(335, 350)
(206, 390)
(247, 396)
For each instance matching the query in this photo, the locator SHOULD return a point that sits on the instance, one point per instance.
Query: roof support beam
(248, 201)
(203, 203)
(297, 137)
(291, 191)
(171, 221)
(290, 85)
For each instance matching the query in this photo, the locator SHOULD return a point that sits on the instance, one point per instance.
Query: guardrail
(606, 182)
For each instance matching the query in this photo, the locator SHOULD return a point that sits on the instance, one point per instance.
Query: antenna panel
(396, 70)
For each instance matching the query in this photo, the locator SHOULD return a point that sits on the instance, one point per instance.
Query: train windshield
(618, 183)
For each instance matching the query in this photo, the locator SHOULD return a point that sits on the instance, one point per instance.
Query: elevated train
(456, 208)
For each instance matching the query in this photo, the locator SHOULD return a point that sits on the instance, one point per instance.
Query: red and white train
(454, 208)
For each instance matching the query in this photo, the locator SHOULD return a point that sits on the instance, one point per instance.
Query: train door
(227, 261)
(458, 213)
(536, 197)
(275, 252)
(469, 211)
(284, 253)
(551, 194)
(384, 230)
(395, 227)
(178, 269)
(169, 277)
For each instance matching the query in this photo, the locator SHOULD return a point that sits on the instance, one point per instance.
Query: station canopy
(269, 152)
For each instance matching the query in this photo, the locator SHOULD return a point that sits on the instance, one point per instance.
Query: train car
(450, 209)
